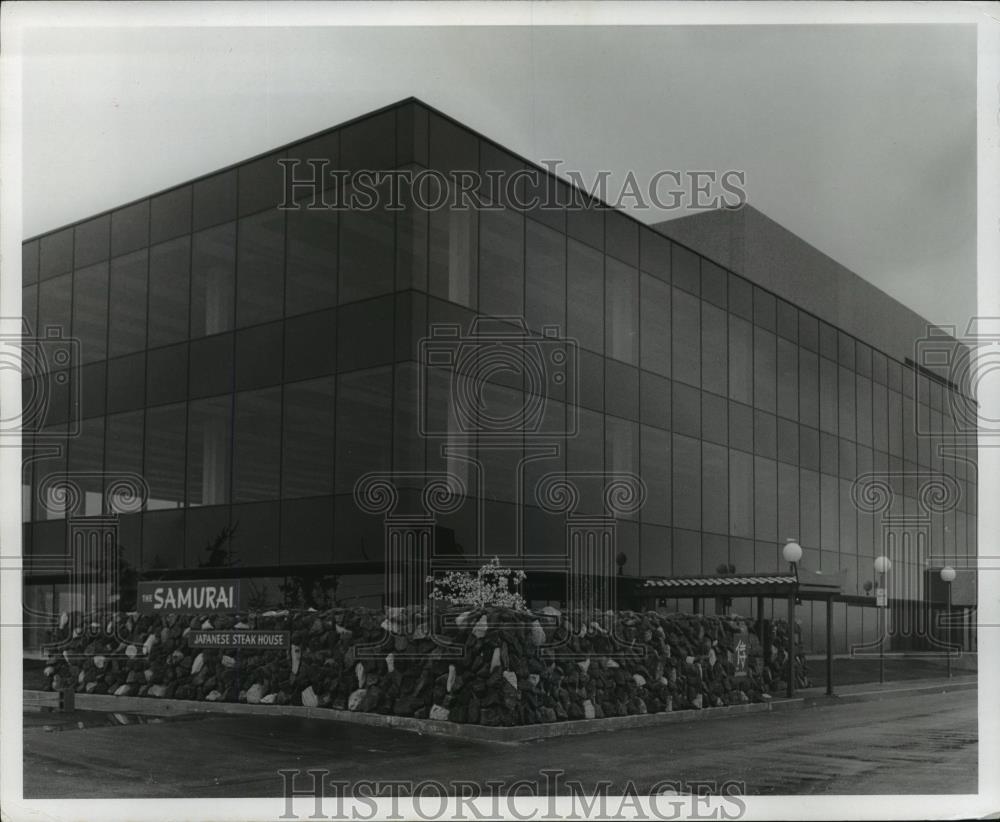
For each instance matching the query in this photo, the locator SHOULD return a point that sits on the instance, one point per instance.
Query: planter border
(486, 733)
(152, 706)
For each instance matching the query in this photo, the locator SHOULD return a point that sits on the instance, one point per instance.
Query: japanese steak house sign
(192, 596)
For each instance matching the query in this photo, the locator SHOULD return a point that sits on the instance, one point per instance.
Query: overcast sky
(859, 139)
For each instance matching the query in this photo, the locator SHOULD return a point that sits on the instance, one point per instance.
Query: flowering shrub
(489, 586)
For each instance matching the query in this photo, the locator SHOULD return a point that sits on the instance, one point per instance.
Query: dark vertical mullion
(281, 374)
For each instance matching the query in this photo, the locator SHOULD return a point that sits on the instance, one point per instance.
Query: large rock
(355, 699)
(255, 693)
(438, 712)
(309, 698)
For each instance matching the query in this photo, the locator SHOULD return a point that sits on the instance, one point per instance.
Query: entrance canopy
(800, 585)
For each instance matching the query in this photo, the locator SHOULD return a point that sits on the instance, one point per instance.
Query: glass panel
(622, 390)
(740, 297)
(55, 254)
(685, 270)
(90, 311)
(310, 345)
(622, 320)
(654, 400)
(764, 369)
(809, 508)
(765, 499)
(259, 356)
(655, 459)
(257, 451)
(686, 482)
(740, 360)
(764, 310)
(366, 254)
(54, 306)
(830, 516)
(163, 540)
(686, 337)
(621, 447)
(788, 380)
(208, 460)
(260, 268)
(864, 409)
(501, 263)
(311, 276)
(169, 284)
(453, 254)
(545, 278)
(654, 319)
(585, 281)
(261, 184)
(714, 350)
(655, 254)
(788, 502)
(622, 237)
(307, 531)
(29, 262)
(828, 395)
(741, 426)
(211, 366)
(212, 266)
(92, 241)
(167, 374)
(165, 449)
(307, 457)
(123, 444)
(130, 228)
(370, 321)
(170, 215)
(86, 458)
(715, 488)
(715, 418)
(741, 506)
(126, 382)
(215, 200)
(364, 425)
(29, 307)
(808, 388)
(686, 417)
(127, 321)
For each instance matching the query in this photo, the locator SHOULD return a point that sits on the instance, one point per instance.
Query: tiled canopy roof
(709, 582)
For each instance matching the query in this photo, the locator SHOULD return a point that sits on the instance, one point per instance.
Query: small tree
(489, 586)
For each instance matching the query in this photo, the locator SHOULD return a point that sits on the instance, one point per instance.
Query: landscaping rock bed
(508, 668)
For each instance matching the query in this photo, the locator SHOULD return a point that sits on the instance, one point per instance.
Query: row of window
(319, 436)
(322, 530)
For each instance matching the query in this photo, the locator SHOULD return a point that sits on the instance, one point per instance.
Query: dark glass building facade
(251, 363)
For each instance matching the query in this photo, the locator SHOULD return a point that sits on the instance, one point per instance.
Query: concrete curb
(944, 687)
(433, 727)
(483, 733)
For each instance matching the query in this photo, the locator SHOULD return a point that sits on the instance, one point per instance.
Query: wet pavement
(916, 744)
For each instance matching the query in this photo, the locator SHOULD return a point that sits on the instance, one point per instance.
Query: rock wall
(492, 667)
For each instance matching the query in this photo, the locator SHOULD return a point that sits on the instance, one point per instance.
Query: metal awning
(802, 584)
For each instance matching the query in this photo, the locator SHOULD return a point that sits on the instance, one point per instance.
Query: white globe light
(882, 564)
(948, 573)
(792, 552)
